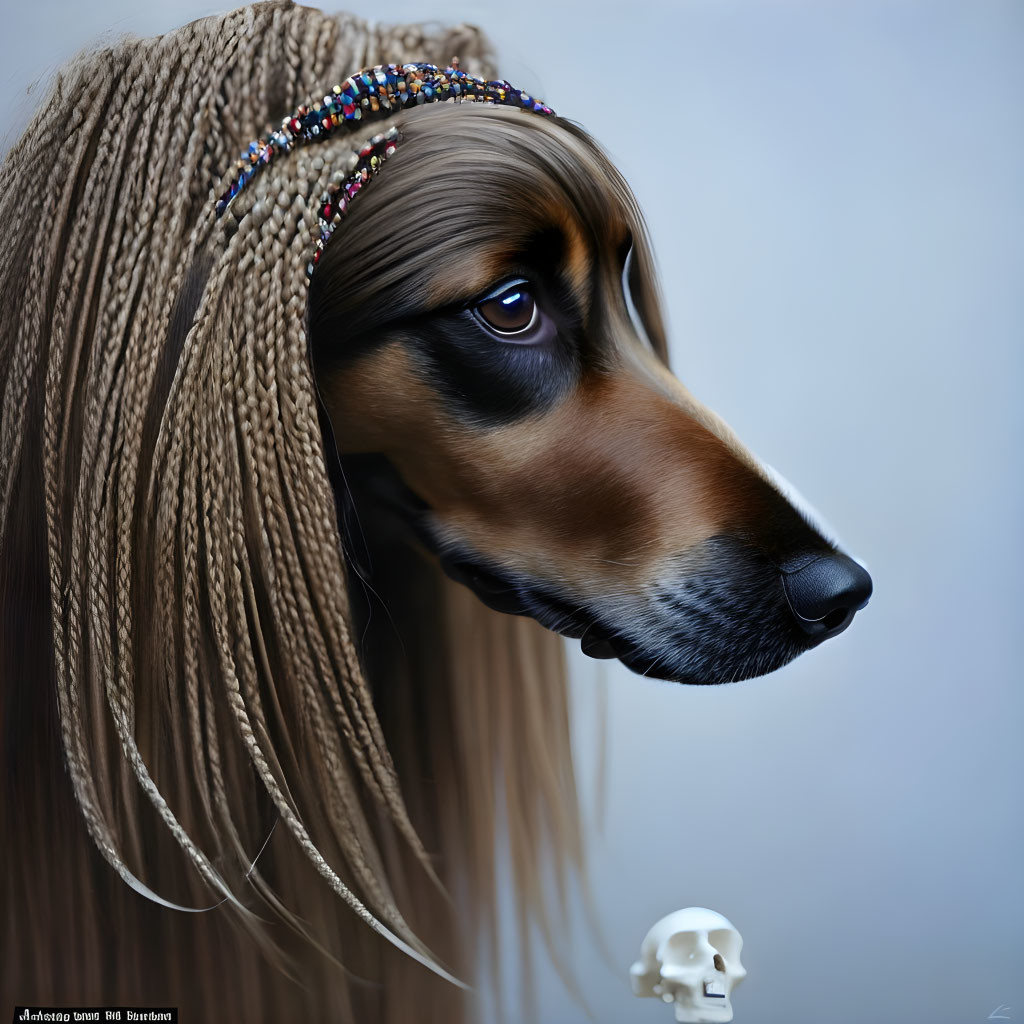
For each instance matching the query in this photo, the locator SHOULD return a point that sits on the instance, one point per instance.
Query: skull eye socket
(727, 942)
(510, 310)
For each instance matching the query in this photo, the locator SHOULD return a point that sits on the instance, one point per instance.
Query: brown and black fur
(257, 742)
(574, 479)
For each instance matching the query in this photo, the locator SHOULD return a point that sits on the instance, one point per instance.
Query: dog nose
(825, 591)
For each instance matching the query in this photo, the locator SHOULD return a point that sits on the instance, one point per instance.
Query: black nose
(824, 592)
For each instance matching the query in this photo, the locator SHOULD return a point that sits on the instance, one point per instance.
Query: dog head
(487, 322)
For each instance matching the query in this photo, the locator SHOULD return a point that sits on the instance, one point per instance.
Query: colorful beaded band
(383, 89)
(335, 201)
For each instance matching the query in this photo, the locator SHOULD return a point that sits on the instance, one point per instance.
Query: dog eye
(511, 310)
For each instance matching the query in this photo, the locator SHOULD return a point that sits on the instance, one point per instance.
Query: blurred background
(835, 193)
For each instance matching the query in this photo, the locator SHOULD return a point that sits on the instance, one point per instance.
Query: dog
(286, 559)
(532, 434)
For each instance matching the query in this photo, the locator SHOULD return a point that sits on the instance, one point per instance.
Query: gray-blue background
(835, 197)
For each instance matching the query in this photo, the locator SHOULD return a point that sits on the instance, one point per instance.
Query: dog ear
(644, 293)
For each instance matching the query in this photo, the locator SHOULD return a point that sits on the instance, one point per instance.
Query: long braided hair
(208, 804)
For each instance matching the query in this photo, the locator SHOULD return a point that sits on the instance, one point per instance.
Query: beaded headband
(382, 90)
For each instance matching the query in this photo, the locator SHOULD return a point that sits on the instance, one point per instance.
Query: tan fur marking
(579, 260)
(483, 266)
(621, 475)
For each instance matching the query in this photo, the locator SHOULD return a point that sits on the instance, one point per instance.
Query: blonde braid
(158, 379)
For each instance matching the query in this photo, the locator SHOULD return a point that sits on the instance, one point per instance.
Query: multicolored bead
(384, 88)
(335, 201)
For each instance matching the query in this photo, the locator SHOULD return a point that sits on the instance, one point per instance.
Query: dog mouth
(503, 594)
(376, 477)
(718, 614)
(695, 637)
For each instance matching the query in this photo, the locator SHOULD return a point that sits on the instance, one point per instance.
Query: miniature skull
(691, 958)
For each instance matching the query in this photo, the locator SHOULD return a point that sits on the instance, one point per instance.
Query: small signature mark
(1001, 1013)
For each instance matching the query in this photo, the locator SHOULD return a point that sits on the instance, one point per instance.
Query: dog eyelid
(503, 310)
(502, 287)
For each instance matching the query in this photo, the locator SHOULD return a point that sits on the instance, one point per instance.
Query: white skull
(691, 958)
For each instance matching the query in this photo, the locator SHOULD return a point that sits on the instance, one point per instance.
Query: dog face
(487, 323)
